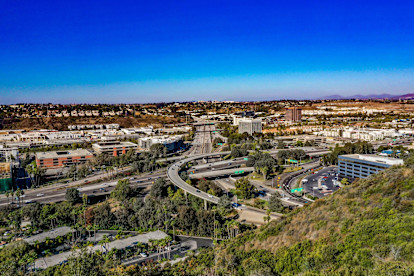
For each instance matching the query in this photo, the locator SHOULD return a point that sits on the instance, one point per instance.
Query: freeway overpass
(233, 171)
(174, 169)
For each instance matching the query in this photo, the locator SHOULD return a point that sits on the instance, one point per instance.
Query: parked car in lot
(235, 205)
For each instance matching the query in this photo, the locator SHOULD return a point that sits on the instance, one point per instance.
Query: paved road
(173, 174)
(202, 140)
(236, 161)
(287, 182)
(222, 172)
(315, 179)
(186, 243)
(56, 194)
(46, 262)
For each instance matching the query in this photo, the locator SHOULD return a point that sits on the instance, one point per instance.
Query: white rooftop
(376, 158)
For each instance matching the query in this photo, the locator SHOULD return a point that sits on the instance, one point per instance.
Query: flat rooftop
(62, 153)
(113, 144)
(375, 158)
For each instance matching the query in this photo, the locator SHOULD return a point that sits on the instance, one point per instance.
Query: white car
(143, 254)
(40, 194)
(210, 196)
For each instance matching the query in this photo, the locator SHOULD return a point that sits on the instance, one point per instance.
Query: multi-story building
(59, 159)
(250, 126)
(237, 117)
(353, 166)
(9, 153)
(114, 148)
(172, 143)
(293, 114)
(5, 176)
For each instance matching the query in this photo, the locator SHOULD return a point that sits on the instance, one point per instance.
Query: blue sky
(151, 51)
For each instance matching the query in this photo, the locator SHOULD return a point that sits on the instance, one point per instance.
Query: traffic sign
(293, 161)
(239, 172)
(246, 158)
(296, 190)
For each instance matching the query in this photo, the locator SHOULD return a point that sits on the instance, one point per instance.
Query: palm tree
(18, 194)
(85, 201)
(36, 173)
(59, 239)
(36, 244)
(264, 170)
(267, 217)
(48, 241)
(7, 195)
(101, 243)
(168, 240)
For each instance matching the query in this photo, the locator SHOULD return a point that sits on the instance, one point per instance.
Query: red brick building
(59, 159)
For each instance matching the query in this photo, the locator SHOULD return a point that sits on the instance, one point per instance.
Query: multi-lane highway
(174, 169)
(202, 140)
(57, 193)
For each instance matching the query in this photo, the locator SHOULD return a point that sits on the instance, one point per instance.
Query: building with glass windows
(59, 159)
(250, 126)
(353, 166)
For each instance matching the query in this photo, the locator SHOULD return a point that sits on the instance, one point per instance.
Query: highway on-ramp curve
(173, 175)
(174, 169)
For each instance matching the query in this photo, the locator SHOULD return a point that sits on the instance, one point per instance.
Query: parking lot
(322, 182)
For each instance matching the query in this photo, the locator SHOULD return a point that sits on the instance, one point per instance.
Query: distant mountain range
(371, 96)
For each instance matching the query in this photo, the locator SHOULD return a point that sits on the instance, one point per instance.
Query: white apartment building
(250, 126)
(365, 134)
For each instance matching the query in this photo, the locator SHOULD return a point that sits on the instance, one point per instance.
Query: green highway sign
(220, 144)
(238, 172)
(296, 190)
(293, 161)
(246, 158)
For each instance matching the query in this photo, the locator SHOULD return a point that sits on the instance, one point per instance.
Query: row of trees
(209, 187)
(263, 163)
(361, 147)
(296, 154)
(164, 209)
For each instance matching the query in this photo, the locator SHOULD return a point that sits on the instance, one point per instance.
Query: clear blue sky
(146, 51)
